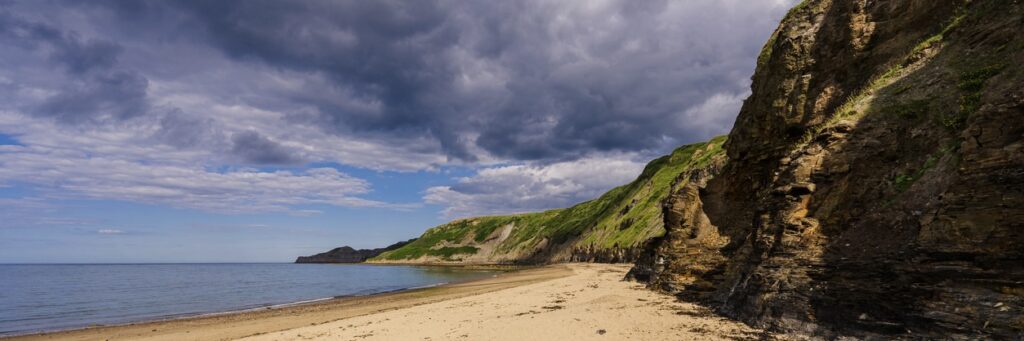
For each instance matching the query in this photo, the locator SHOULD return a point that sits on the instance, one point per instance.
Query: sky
(258, 131)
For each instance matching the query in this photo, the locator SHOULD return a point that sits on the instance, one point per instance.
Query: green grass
(766, 51)
(485, 227)
(453, 232)
(803, 4)
(903, 182)
(939, 37)
(601, 219)
(643, 220)
(849, 108)
(910, 110)
(624, 216)
(448, 252)
(971, 83)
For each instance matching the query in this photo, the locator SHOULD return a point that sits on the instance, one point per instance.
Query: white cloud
(109, 231)
(524, 187)
(115, 163)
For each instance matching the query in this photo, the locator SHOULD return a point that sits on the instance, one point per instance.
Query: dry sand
(561, 302)
(594, 303)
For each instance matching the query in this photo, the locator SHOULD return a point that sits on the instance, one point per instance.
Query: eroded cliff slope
(875, 178)
(612, 228)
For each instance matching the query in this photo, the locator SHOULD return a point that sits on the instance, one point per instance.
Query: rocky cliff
(347, 254)
(874, 184)
(612, 228)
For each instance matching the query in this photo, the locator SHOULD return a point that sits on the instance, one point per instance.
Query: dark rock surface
(874, 185)
(346, 254)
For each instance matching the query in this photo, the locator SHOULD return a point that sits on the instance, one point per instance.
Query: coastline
(593, 303)
(578, 301)
(257, 320)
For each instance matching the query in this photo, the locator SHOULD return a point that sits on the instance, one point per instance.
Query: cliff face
(874, 182)
(347, 254)
(612, 228)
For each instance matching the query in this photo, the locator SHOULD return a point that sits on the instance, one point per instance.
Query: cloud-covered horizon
(234, 106)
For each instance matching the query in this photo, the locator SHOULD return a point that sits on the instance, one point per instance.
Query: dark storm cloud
(506, 80)
(116, 95)
(95, 89)
(525, 80)
(183, 131)
(73, 53)
(257, 149)
(80, 57)
(382, 50)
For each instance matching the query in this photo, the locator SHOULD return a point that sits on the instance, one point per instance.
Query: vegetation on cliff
(624, 217)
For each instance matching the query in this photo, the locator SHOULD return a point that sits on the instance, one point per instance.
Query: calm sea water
(51, 297)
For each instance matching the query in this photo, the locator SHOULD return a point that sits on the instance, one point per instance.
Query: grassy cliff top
(625, 216)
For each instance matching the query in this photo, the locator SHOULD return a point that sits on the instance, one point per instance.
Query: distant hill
(347, 254)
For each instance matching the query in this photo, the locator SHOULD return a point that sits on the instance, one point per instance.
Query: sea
(50, 297)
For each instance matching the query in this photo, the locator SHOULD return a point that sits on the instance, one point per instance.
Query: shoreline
(228, 324)
(593, 303)
(578, 301)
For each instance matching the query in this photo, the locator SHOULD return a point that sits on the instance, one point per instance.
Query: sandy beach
(571, 301)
